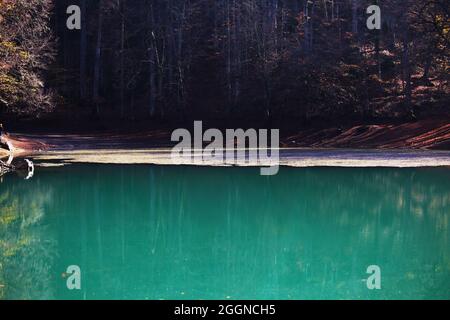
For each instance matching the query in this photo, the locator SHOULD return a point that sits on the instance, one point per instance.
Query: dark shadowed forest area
(307, 62)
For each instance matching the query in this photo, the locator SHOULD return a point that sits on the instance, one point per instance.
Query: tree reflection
(181, 232)
(217, 232)
(26, 252)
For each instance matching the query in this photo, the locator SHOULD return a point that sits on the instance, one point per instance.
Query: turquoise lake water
(149, 232)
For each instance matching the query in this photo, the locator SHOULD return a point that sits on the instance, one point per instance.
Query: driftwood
(5, 168)
(6, 144)
(22, 166)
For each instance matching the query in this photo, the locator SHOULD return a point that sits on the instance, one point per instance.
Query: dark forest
(215, 59)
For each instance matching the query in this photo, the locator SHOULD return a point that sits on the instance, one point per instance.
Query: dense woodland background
(261, 59)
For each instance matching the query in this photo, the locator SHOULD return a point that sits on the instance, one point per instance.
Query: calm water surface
(143, 232)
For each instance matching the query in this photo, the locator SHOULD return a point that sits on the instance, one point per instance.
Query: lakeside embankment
(395, 145)
(424, 134)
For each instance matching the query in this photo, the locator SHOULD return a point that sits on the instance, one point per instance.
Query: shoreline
(416, 144)
(433, 134)
(289, 157)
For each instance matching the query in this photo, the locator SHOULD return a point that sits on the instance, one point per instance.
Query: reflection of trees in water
(397, 218)
(324, 225)
(25, 253)
(228, 231)
(305, 231)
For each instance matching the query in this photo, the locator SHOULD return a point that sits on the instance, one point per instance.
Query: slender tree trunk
(98, 56)
(355, 16)
(307, 26)
(152, 62)
(406, 69)
(237, 54)
(427, 67)
(332, 10)
(152, 104)
(338, 16)
(83, 45)
(378, 35)
(229, 85)
(122, 58)
(180, 64)
(311, 38)
(325, 8)
(377, 51)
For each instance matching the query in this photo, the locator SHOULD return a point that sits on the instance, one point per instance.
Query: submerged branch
(5, 168)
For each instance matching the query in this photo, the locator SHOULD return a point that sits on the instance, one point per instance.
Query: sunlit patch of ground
(288, 157)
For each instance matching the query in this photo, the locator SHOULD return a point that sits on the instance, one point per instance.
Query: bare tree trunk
(122, 57)
(152, 104)
(377, 51)
(309, 27)
(378, 35)
(152, 62)
(306, 27)
(427, 67)
(338, 16)
(98, 55)
(83, 45)
(311, 39)
(180, 58)
(237, 54)
(229, 85)
(355, 16)
(325, 8)
(406, 69)
(332, 10)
